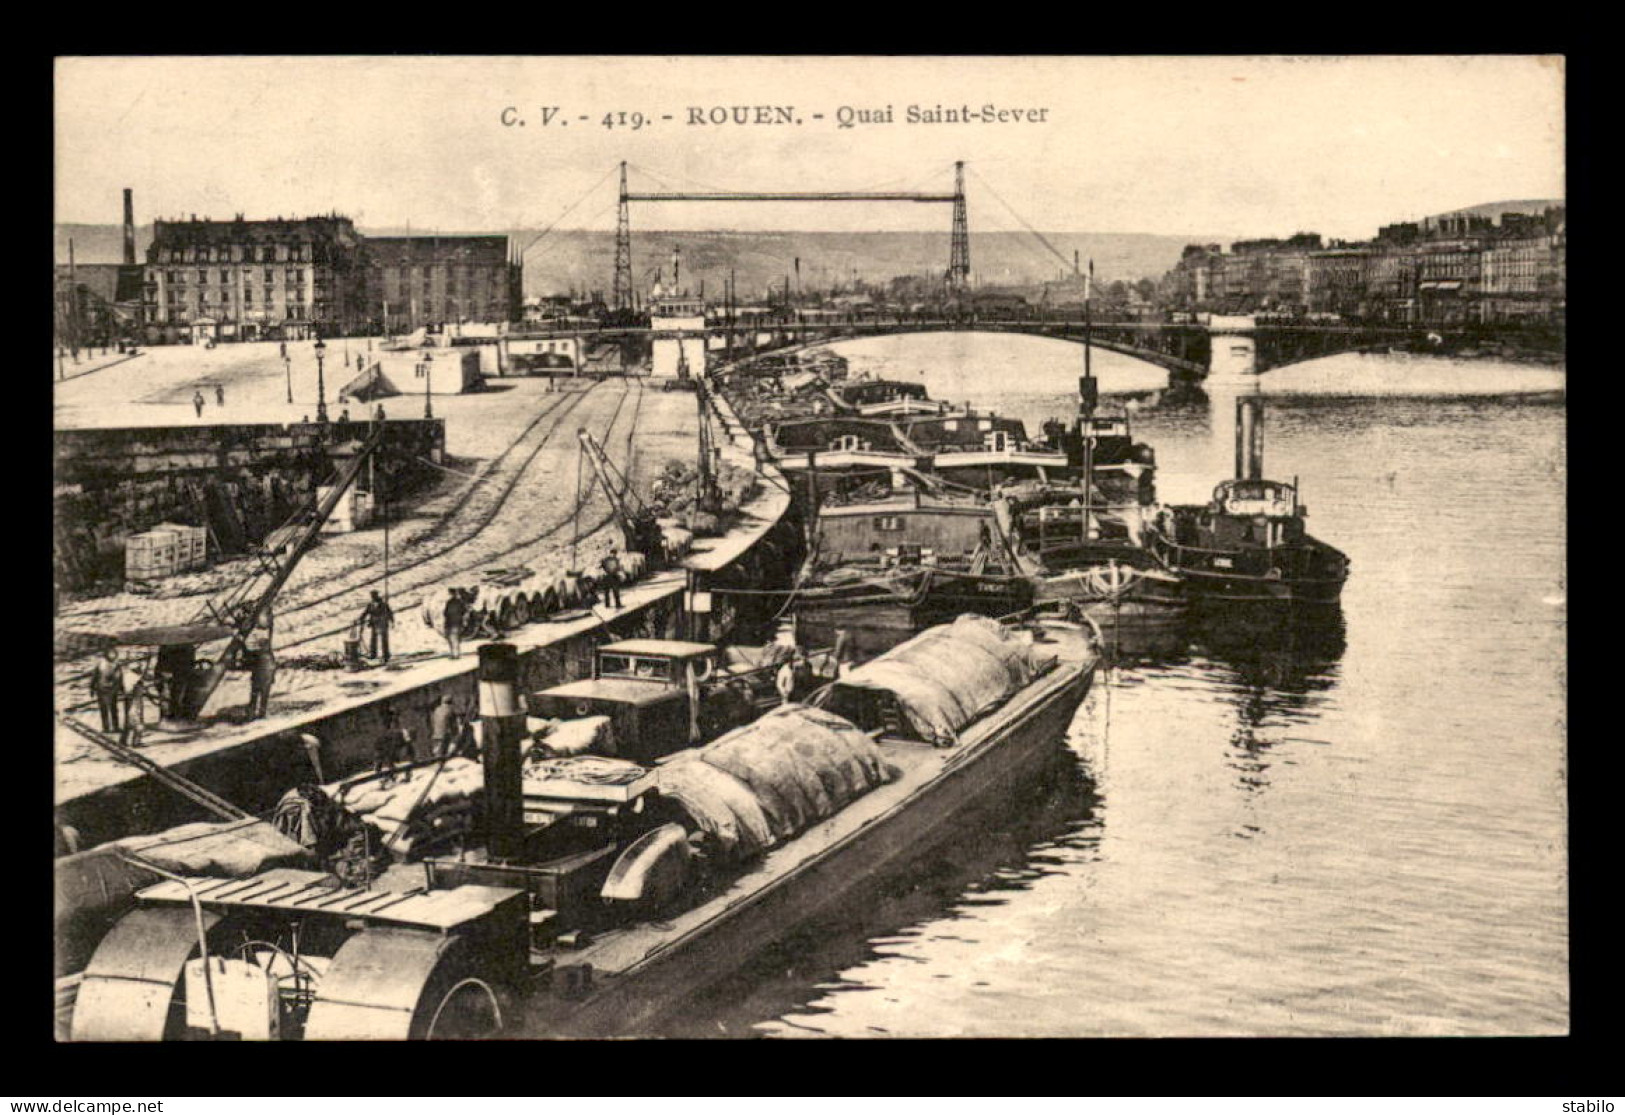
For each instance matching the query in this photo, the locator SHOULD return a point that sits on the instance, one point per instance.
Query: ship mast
(1088, 395)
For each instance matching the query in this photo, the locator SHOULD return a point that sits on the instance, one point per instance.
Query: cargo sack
(799, 764)
(222, 849)
(943, 678)
(724, 807)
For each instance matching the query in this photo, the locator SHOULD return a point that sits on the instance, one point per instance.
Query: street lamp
(287, 368)
(428, 383)
(321, 382)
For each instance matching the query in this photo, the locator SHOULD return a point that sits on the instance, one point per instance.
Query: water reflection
(1272, 671)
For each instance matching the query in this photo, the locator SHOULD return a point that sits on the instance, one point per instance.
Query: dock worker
(611, 565)
(455, 615)
(107, 683)
(467, 742)
(377, 617)
(261, 678)
(135, 721)
(197, 402)
(393, 745)
(442, 727)
(785, 680)
(219, 395)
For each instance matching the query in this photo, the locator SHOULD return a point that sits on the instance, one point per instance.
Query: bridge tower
(622, 291)
(959, 248)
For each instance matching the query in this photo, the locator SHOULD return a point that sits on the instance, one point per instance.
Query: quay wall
(346, 716)
(255, 773)
(239, 481)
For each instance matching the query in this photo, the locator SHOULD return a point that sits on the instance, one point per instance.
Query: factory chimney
(129, 228)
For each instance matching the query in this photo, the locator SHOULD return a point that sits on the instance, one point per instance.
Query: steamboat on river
(1249, 546)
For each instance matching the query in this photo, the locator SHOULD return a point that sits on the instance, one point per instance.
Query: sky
(1219, 146)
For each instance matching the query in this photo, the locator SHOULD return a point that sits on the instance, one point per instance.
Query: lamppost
(428, 383)
(321, 382)
(287, 368)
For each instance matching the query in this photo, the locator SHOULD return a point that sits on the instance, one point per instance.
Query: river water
(1346, 832)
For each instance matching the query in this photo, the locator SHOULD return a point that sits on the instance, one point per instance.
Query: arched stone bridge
(1227, 346)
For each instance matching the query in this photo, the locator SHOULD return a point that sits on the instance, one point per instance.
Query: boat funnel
(502, 730)
(1250, 437)
(1088, 395)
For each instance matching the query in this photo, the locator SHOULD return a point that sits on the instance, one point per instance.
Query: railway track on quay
(454, 548)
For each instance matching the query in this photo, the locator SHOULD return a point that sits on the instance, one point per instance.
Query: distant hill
(582, 260)
(1496, 208)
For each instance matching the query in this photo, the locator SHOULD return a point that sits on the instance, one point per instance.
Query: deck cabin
(645, 687)
(931, 529)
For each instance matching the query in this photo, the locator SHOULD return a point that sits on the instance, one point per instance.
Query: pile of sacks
(764, 783)
(554, 738)
(673, 494)
(422, 810)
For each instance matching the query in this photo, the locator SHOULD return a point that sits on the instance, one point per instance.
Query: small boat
(872, 397)
(1248, 544)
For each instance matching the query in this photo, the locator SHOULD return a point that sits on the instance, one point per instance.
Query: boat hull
(1023, 739)
(875, 621)
(1310, 574)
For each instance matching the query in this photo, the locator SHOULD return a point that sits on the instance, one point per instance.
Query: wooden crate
(149, 555)
(191, 545)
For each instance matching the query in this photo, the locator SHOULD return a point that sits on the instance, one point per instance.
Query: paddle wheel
(288, 955)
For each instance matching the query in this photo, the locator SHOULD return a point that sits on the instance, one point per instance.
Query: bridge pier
(1233, 352)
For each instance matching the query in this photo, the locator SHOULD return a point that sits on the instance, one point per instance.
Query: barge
(627, 887)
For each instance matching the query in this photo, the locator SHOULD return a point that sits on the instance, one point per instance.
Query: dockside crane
(249, 606)
(709, 496)
(640, 532)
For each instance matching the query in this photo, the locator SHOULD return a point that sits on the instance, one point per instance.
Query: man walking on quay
(611, 565)
(197, 402)
(376, 618)
(107, 683)
(219, 395)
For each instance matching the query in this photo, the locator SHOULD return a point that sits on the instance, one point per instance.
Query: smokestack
(1088, 395)
(502, 728)
(129, 227)
(1250, 437)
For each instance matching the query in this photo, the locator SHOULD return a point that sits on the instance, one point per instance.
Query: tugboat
(1248, 545)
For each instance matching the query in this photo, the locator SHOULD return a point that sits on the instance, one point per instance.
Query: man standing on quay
(377, 617)
(107, 683)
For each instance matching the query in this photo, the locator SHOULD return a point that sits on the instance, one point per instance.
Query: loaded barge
(605, 891)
